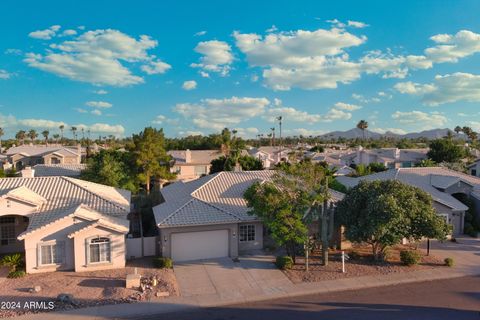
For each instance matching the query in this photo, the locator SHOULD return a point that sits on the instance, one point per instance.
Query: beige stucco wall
(455, 218)
(117, 246)
(187, 172)
(75, 249)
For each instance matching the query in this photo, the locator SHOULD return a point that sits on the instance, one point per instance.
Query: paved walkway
(257, 271)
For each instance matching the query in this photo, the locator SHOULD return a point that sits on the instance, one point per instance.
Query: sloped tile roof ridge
(111, 201)
(214, 176)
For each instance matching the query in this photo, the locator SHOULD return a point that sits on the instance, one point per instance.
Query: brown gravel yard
(361, 266)
(87, 288)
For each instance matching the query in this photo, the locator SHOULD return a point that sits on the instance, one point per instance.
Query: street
(453, 299)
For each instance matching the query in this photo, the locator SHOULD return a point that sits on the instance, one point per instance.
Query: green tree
(445, 150)
(382, 213)
(362, 125)
(111, 168)
(150, 156)
(247, 163)
(283, 202)
(45, 134)
(20, 136)
(32, 135)
(61, 127)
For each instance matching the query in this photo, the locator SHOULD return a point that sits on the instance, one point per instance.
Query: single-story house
(269, 155)
(444, 185)
(30, 155)
(208, 217)
(192, 164)
(389, 157)
(62, 223)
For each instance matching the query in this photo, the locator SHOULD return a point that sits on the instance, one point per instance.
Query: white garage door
(199, 245)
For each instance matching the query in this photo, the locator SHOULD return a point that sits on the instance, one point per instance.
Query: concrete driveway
(223, 278)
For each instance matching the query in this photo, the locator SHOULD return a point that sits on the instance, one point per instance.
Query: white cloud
(40, 123)
(99, 104)
(216, 57)
(216, 114)
(291, 115)
(347, 106)
(474, 124)
(304, 132)
(46, 34)
(200, 33)
(450, 48)
(273, 28)
(105, 128)
(356, 24)
(385, 130)
(69, 32)
(80, 110)
(249, 132)
(101, 92)
(189, 85)
(96, 112)
(335, 114)
(99, 57)
(420, 119)
(4, 74)
(161, 119)
(204, 74)
(155, 67)
(445, 89)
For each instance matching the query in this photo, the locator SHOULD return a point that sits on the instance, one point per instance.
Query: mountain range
(358, 133)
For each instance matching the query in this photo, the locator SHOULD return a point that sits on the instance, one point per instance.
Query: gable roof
(213, 199)
(429, 179)
(64, 195)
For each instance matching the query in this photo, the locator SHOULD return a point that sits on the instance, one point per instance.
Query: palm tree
(32, 134)
(1, 135)
(83, 134)
(20, 136)
(458, 129)
(61, 127)
(74, 132)
(362, 125)
(273, 136)
(56, 136)
(45, 134)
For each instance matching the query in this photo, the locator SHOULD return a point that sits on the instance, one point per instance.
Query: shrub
(284, 262)
(449, 262)
(409, 257)
(16, 274)
(14, 261)
(161, 262)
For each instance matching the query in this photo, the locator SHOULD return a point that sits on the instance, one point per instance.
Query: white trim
(87, 248)
(60, 244)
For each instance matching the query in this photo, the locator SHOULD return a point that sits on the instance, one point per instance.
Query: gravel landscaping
(363, 265)
(86, 288)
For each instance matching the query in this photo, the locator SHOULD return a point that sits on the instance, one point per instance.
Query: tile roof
(427, 179)
(40, 150)
(67, 170)
(213, 199)
(64, 195)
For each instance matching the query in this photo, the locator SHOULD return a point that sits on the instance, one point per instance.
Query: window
(247, 233)
(474, 172)
(7, 231)
(99, 250)
(52, 253)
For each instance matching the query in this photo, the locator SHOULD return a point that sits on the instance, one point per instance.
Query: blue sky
(197, 66)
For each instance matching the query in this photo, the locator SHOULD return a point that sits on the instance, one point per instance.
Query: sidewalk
(466, 254)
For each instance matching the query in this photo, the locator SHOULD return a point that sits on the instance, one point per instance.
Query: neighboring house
(30, 155)
(208, 217)
(192, 164)
(389, 157)
(270, 156)
(51, 170)
(441, 183)
(63, 223)
(474, 168)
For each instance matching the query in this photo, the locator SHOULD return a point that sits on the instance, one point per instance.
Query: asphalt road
(454, 299)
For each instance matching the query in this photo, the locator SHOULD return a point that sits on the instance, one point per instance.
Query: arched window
(99, 250)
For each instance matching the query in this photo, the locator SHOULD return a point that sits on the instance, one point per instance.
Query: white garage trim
(199, 245)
